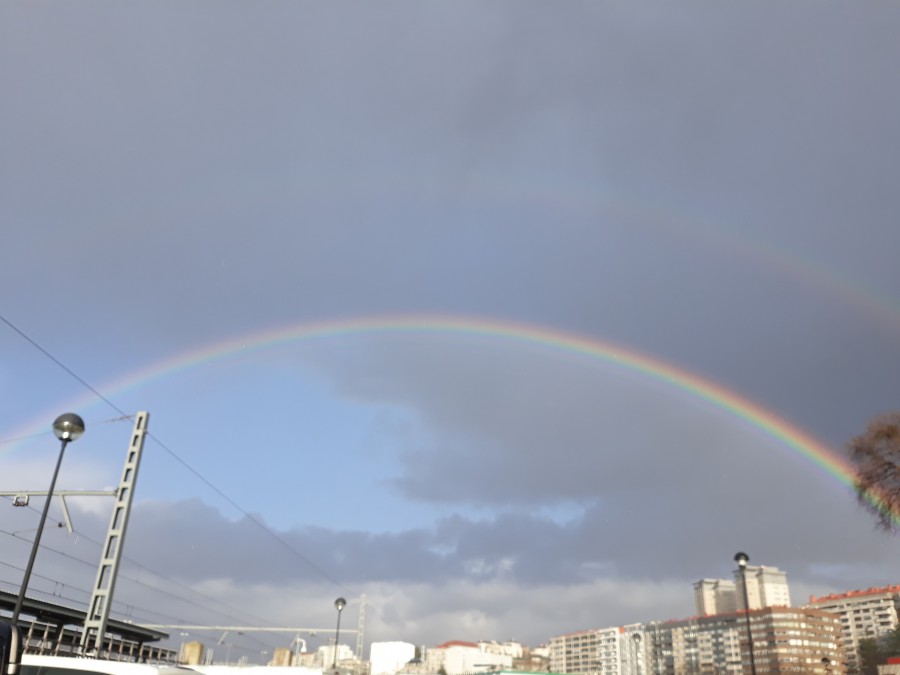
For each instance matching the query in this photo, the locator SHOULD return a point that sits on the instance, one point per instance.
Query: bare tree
(876, 454)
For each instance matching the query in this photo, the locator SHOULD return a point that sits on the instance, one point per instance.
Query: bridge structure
(55, 630)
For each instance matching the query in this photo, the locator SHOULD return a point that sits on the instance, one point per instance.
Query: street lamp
(296, 642)
(339, 605)
(742, 559)
(67, 428)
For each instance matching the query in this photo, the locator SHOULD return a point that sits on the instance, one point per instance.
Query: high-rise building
(869, 613)
(715, 596)
(766, 587)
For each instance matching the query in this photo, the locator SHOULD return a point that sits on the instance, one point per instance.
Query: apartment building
(869, 613)
(590, 651)
(785, 640)
(705, 644)
(695, 645)
(766, 587)
(715, 596)
(458, 657)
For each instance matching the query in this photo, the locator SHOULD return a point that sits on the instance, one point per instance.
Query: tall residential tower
(766, 587)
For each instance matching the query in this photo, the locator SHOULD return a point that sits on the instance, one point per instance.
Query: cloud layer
(709, 186)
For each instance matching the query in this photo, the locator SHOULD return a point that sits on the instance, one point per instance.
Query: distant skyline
(547, 311)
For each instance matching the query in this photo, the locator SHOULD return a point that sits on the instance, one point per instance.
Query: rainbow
(692, 384)
(860, 299)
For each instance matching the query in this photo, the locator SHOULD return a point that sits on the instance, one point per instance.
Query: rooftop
(856, 594)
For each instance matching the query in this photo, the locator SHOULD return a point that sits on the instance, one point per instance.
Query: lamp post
(742, 559)
(296, 642)
(67, 428)
(339, 605)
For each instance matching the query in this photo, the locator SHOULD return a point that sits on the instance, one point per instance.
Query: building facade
(707, 644)
(590, 651)
(461, 658)
(870, 613)
(604, 651)
(785, 641)
(715, 596)
(766, 587)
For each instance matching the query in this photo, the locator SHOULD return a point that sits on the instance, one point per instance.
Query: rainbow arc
(681, 380)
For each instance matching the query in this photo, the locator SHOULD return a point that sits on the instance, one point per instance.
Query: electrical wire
(124, 609)
(126, 577)
(62, 365)
(171, 452)
(245, 513)
(174, 583)
(124, 415)
(91, 423)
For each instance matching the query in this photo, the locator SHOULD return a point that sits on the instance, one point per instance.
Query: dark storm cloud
(663, 177)
(280, 170)
(185, 560)
(513, 423)
(640, 464)
(182, 544)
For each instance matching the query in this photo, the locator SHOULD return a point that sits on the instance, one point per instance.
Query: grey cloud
(710, 185)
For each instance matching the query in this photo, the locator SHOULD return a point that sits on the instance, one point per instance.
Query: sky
(505, 316)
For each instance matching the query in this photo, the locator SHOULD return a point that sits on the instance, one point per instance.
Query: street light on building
(67, 427)
(742, 559)
(339, 605)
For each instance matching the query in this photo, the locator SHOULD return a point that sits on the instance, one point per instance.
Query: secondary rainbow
(716, 395)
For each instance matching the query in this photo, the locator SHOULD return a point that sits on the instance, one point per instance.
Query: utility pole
(361, 631)
(111, 555)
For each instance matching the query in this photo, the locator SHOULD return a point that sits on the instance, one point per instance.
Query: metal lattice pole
(361, 631)
(111, 555)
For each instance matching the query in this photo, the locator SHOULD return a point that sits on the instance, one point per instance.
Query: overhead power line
(173, 454)
(62, 365)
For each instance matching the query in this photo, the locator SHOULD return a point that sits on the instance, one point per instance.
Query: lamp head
(339, 604)
(68, 427)
(741, 559)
